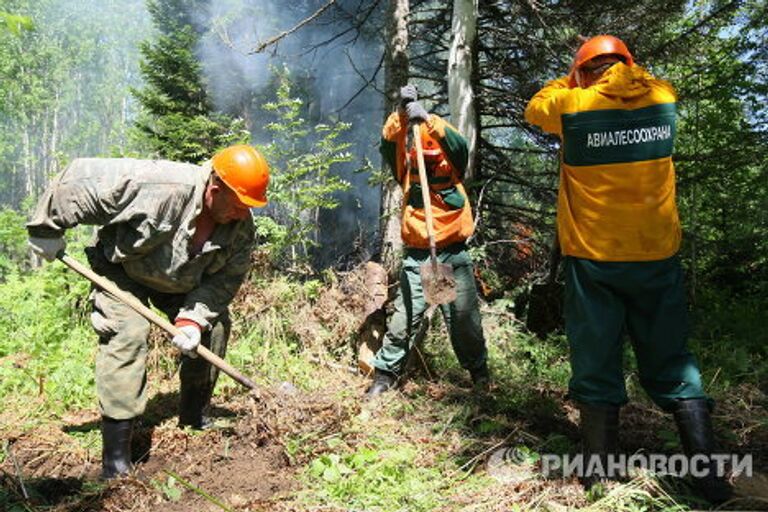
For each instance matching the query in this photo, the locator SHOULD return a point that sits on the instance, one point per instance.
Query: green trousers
(121, 374)
(646, 300)
(462, 316)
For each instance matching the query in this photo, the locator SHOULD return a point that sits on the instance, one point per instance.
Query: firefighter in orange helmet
(619, 231)
(445, 158)
(177, 236)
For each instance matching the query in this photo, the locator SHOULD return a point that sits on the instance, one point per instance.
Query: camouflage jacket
(147, 211)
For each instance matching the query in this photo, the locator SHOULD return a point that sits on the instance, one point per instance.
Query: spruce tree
(178, 120)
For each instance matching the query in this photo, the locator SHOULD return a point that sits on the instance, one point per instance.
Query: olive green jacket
(147, 211)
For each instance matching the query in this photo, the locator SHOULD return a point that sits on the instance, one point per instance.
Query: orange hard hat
(429, 147)
(602, 45)
(245, 171)
(595, 47)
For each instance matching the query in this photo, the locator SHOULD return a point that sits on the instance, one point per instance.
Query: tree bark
(461, 58)
(396, 75)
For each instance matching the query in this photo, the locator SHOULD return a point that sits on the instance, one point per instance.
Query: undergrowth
(424, 448)
(46, 344)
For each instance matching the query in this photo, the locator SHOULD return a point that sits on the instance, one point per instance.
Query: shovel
(132, 302)
(436, 278)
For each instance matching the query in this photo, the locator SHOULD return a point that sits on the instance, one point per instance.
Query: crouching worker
(176, 236)
(619, 231)
(445, 156)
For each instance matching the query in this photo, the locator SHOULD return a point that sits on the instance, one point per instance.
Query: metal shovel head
(438, 283)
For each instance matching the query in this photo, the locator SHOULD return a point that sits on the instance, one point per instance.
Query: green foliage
(267, 344)
(13, 242)
(301, 180)
(348, 478)
(721, 152)
(713, 53)
(15, 23)
(46, 344)
(64, 90)
(169, 488)
(178, 121)
(730, 340)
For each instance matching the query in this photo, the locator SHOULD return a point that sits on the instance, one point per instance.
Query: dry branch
(272, 40)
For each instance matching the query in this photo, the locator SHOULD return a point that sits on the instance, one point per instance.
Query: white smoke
(236, 78)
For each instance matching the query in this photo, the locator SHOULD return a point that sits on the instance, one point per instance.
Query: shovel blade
(438, 283)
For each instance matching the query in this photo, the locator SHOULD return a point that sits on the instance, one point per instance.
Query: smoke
(98, 60)
(332, 74)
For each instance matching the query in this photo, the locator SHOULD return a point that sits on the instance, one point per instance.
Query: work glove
(407, 94)
(188, 340)
(416, 113)
(47, 248)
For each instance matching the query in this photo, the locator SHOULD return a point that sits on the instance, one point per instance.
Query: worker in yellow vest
(618, 227)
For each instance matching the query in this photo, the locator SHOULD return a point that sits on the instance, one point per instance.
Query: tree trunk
(396, 75)
(52, 164)
(391, 244)
(29, 178)
(461, 96)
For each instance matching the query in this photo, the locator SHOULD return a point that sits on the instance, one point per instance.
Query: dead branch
(369, 82)
(272, 40)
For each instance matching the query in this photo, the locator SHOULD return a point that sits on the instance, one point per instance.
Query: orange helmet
(600, 45)
(429, 147)
(245, 171)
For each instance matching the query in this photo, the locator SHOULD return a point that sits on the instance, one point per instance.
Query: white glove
(188, 340)
(408, 94)
(416, 112)
(47, 248)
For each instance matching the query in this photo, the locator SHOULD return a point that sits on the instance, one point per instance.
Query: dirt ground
(244, 464)
(240, 462)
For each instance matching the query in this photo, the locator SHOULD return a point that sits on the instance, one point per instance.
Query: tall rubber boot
(195, 396)
(116, 451)
(198, 379)
(481, 379)
(694, 423)
(383, 381)
(599, 438)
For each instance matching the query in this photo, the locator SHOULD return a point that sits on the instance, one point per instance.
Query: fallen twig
(18, 471)
(198, 491)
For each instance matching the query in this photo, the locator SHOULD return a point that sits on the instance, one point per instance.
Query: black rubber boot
(694, 423)
(116, 451)
(198, 377)
(193, 402)
(599, 438)
(481, 379)
(382, 381)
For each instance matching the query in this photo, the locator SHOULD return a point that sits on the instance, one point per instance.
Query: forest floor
(306, 441)
(256, 458)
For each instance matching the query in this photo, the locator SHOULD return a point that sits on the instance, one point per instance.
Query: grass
(424, 448)
(47, 349)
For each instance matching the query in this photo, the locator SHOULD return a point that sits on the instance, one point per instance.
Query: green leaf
(16, 23)
(171, 490)
(331, 473)
(317, 467)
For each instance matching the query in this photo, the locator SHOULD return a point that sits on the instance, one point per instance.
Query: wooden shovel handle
(425, 192)
(131, 301)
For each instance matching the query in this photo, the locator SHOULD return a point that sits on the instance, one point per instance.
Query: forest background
(310, 83)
